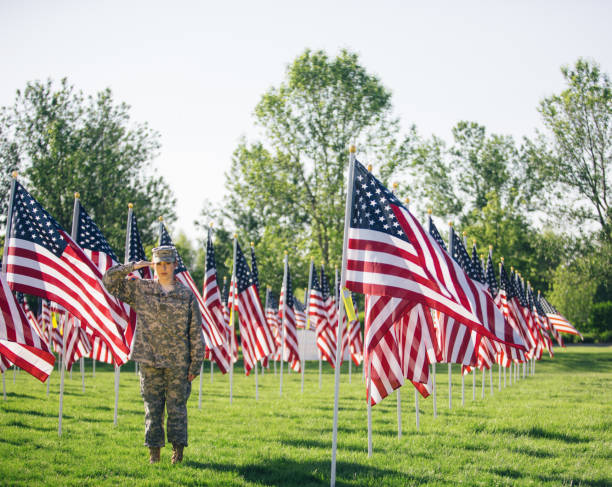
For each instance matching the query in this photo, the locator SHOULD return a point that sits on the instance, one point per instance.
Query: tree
(290, 187)
(64, 142)
(579, 120)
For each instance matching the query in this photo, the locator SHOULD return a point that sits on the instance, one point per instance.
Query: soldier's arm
(115, 282)
(196, 339)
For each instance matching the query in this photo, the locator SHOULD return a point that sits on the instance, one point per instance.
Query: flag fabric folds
(43, 260)
(20, 341)
(288, 325)
(257, 340)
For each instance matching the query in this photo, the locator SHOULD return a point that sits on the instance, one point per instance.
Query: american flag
(135, 248)
(96, 247)
(288, 324)
(324, 330)
(273, 322)
(390, 254)
(458, 344)
(43, 260)
(557, 320)
(487, 349)
(505, 302)
(541, 322)
(21, 342)
(214, 336)
(44, 319)
(257, 339)
(300, 314)
(316, 305)
(77, 342)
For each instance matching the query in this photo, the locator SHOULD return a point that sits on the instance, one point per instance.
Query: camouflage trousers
(167, 387)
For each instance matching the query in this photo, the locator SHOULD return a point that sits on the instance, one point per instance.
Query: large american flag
(214, 336)
(288, 324)
(390, 254)
(257, 339)
(43, 260)
(20, 341)
(96, 247)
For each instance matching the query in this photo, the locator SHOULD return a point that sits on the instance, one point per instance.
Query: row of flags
(424, 302)
(428, 303)
(65, 272)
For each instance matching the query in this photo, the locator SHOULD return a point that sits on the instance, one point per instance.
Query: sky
(194, 70)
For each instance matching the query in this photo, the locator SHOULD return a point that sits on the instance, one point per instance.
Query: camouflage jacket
(168, 328)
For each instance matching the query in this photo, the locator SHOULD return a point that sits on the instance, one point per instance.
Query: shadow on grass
(283, 472)
(20, 396)
(32, 413)
(532, 452)
(541, 433)
(576, 362)
(323, 445)
(21, 424)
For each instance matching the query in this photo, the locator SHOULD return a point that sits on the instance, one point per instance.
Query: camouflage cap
(165, 253)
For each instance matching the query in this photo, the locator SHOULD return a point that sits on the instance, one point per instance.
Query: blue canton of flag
(244, 277)
(89, 236)
(477, 266)
(372, 205)
(461, 255)
(491, 279)
(433, 231)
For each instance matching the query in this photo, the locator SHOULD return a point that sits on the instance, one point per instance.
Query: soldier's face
(164, 271)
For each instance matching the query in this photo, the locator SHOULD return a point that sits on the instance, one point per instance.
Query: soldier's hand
(142, 263)
(190, 377)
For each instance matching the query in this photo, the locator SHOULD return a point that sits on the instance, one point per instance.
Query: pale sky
(194, 70)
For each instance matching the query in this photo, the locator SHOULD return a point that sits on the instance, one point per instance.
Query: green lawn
(551, 429)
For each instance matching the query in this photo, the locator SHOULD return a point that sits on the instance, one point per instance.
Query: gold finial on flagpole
(369, 167)
(474, 241)
(77, 195)
(450, 224)
(464, 233)
(211, 224)
(501, 258)
(395, 186)
(286, 252)
(161, 219)
(130, 205)
(14, 174)
(490, 247)
(252, 244)
(429, 212)
(235, 235)
(407, 201)
(352, 149)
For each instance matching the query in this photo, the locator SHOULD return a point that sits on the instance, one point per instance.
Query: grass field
(554, 428)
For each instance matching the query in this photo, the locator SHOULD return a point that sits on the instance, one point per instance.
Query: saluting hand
(142, 263)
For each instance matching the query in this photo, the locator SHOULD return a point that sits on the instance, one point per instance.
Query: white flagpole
(234, 290)
(319, 352)
(62, 374)
(450, 366)
(473, 383)
(93, 368)
(433, 374)
(398, 393)
(307, 326)
(126, 259)
(347, 215)
(499, 375)
(82, 367)
(9, 224)
(462, 387)
(283, 321)
(416, 407)
(505, 376)
(491, 379)
(200, 394)
(484, 371)
(66, 321)
(369, 394)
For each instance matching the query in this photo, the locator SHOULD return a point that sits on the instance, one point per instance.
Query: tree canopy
(63, 142)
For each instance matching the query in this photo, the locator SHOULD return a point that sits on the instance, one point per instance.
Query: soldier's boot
(177, 453)
(154, 452)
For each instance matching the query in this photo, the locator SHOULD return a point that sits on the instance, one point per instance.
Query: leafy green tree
(579, 121)
(289, 187)
(64, 142)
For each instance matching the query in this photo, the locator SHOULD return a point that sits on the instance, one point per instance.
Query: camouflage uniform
(168, 345)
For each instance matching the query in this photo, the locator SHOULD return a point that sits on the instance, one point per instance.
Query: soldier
(168, 345)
